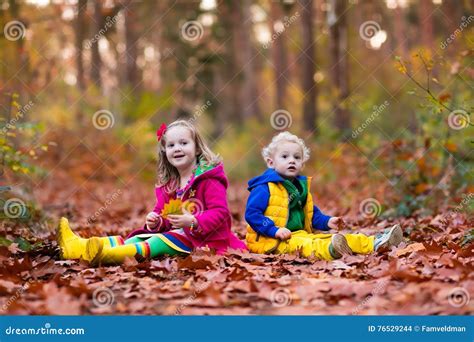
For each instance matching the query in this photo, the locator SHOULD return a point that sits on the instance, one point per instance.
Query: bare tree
(400, 32)
(96, 61)
(337, 21)
(425, 17)
(131, 50)
(249, 91)
(80, 32)
(308, 69)
(279, 55)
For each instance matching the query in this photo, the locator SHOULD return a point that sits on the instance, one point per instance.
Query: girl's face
(180, 147)
(287, 159)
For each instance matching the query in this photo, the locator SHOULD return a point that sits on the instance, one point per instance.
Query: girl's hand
(182, 221)
(152, 220)
(337, 223)
(283, 234)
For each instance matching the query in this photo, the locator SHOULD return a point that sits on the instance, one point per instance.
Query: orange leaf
(414, 247)
(421, 188)
(450, 146)
(444, 97)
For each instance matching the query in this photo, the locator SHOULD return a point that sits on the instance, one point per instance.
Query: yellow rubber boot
(101, 254)
(73, 246)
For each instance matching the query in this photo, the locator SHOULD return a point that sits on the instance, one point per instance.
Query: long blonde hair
(168, 175)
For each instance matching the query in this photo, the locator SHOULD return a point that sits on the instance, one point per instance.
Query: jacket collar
(270, 175)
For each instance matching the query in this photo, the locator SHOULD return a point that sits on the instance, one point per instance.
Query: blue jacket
(258, 202)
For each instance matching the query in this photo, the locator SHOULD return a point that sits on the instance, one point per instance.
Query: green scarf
(297, 197)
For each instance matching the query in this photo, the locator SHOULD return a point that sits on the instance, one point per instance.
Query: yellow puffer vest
(278, 211)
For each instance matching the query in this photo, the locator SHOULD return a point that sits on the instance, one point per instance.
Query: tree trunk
(96, 62)
(228, 107)
(279, 56)
(131, 46)
(307, 67)
(249, 89)
(454, 10)
(80, 31)
(400, 32)
(337, 21)
(425, 18)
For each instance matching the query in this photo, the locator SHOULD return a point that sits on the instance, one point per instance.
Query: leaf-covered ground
(430, 273)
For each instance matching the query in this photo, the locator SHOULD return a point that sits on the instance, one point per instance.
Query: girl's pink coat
(208, 192)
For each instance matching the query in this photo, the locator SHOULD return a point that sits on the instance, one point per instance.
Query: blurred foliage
(18, 151)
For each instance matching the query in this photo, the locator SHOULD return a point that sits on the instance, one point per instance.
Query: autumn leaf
(450, 146)
(414, 247)
(173, 207)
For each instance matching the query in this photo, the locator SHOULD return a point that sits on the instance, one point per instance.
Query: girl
(191, 180)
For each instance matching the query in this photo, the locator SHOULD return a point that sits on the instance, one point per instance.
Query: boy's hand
(337, 223)
(152, 220)
(182, 221)
(283, 234)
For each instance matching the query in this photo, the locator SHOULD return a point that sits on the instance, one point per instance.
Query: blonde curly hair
(268, 150)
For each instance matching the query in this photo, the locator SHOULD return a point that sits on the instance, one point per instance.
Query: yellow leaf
(173, 207)
(402, 68)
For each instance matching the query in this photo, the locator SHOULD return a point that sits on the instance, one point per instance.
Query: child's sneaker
(391, 237)
(71, 245)
(339, 246)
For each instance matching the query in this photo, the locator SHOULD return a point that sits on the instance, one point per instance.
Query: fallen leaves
(414, 247)
(417, 277)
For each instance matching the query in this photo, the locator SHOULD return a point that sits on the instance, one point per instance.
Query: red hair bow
(161, 131)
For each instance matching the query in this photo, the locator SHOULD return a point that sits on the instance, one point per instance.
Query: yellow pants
(318, 244)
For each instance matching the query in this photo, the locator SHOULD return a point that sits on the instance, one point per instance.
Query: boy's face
(287, 159)
(180, 147)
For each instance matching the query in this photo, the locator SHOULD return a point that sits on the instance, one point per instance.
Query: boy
(281, 214)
